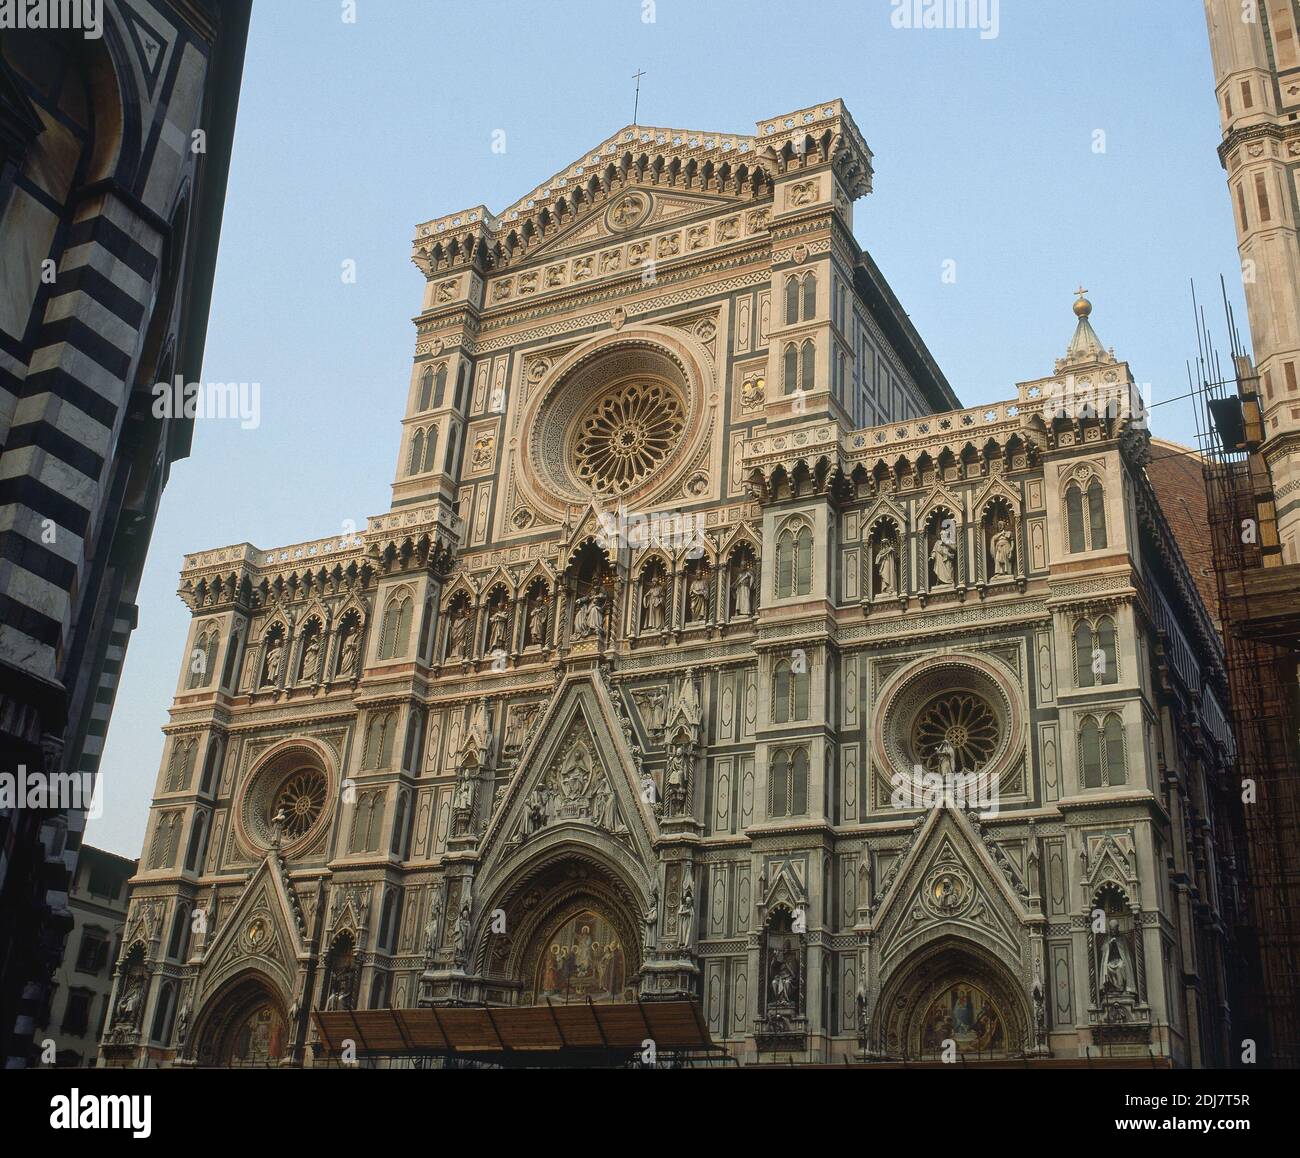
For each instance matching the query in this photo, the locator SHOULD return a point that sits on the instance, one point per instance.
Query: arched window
(376, 817)
(440, 386)
(1106, 645)
(397, 627)
(790, 692)
(162, 1016)
(784, 564)
(809, 299)
(780, 777)
(202, 658)
(803, 562)
(166, 840)
(1090, 752)
(361, 820)
(790, 370)
(1074, 518)
(1096, 515)
(198, 842)
(808, 366)
(1113, 742)
(399, 826)
(460, 386)
(426, 389)
(430, 445)
(1083, 654)
(232, 654)
(781, 701)
(791, 300)
(799, 782)
(180, 924)
(1085, 529)
(181, 765)
(416, 460)
(788, 776)
(1102, 752)
(386, 919)
(379, 740)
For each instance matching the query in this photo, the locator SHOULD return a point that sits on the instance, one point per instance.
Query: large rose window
(293, 785)
(300, 800)
(623, 417)
(627, 434)
(959, 725)
(950, 714)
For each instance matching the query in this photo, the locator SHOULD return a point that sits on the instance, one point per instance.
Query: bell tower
(1256, 54)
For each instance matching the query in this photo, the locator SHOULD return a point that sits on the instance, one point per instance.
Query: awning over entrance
(547, 1034)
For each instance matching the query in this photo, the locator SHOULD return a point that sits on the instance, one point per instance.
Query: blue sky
(351, 133)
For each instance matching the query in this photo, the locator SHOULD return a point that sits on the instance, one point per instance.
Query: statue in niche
(128, 1005)
(686, 916)
(675, 782)
(697, 601)
(460, 937)
(498, 626)
(1002, 549)
(652, 615)
(431, 925)
(744, 590)
(351, 653)
(465, 795)
(886, 562)
(311, 659)
(782, 981)
(537, 621)
(943, 560)
(1116, 963)
(458, 635)
(273, 656)
(589, 617)
(650, 918)
(654, 703)
(183, 1023)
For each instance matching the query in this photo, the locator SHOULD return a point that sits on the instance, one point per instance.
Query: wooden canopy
(518, 1035)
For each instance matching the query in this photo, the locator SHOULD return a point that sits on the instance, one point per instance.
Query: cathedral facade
(709, 650)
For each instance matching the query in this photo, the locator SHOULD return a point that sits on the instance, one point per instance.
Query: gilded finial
(1082, 307)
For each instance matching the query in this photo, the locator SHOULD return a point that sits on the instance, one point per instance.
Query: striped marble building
(114, 150)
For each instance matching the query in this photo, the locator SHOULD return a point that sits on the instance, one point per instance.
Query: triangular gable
(949, 883)
(264, 930)
(578, 762)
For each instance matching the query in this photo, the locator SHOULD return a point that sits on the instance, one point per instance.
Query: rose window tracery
(301, 800)
(627, 435)
(961, 720)
(293, 785)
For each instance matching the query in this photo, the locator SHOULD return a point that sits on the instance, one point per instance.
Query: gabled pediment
(576, 779)
(948, 883)
(264, 930)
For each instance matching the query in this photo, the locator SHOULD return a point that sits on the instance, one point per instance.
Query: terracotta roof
(1175, 474)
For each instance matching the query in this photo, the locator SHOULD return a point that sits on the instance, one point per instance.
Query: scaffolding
(1261, 658)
